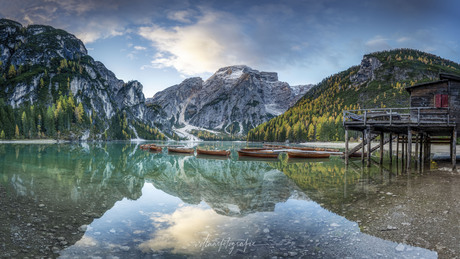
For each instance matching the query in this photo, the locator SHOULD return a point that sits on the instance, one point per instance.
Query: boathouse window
(441, 100)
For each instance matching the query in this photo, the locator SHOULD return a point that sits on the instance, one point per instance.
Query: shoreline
(33, 141)
(442, 150)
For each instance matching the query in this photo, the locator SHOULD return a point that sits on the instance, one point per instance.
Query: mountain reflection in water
(115, 199)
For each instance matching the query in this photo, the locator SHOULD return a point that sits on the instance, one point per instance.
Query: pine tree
(11, 71)
(79, 111)
(16, 132)
(25, 128)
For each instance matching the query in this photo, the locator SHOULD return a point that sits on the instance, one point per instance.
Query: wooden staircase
(360, 145)
(384, 142)
(373, 149)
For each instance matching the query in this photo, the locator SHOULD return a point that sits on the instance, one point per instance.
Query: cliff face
(40, 63)
(233, 100)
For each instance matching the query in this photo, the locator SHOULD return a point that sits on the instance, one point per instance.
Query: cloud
(217, 39)
(377, 43)
(89, 20)
(139, 48)
(403, 39)
(184, 16)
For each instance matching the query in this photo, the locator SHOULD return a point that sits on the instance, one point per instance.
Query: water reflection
(185, 226)
(115, 199)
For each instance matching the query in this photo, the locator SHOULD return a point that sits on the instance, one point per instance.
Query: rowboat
(181, 150)
(212, 152)
(314, 149)
(147, 146)
(260, 153)
(155, 148)
(308, 154)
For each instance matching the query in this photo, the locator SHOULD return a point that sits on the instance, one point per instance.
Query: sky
(162, 42)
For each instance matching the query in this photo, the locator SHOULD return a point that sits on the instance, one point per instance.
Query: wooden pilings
(405, 152)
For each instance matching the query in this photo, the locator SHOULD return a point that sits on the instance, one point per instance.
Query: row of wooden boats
(269, 146)
(268, 151)
(182, 150)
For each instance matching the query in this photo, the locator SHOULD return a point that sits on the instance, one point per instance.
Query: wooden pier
(431, 119)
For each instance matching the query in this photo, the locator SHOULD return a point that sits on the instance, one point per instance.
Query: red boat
(212, 152)
(181, 150)
(260, 153)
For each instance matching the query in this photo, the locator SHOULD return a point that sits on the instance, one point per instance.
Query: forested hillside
(378, 82)
(51, 88)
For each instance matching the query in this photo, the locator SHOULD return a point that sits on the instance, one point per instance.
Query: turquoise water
(116, 200)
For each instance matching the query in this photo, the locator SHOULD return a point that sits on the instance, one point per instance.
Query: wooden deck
(434, 121)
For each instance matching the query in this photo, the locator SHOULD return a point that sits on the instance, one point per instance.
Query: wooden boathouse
(432, 118)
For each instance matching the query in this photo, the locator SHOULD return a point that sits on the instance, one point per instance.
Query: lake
(114, 200)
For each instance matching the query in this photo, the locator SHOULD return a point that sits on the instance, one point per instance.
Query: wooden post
(451, 146)
(363, 147)
(346, 146)
(382, 135)
(391, 148)
(454, 148)
(397, 148)
(403, 153)
(416, 146)
(420, 136)
(422, 151)
(428, 148)
(368, 147)
(419, 158)
(409, 147)
(426, 152)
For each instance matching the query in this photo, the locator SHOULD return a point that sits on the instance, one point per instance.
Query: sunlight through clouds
(215, 40)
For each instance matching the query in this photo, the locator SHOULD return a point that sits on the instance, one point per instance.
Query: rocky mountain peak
(41, 64)
(233, 100)
(6, 22)
(240, 72)
(37, 44)
(366, 70)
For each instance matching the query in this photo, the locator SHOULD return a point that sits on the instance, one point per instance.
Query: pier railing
(398, 116)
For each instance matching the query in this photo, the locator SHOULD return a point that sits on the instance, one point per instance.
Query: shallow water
(113, 199)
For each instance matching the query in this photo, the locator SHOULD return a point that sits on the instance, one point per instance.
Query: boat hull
(155, 149)
(258, 154)
(181, 150)
(212, 152)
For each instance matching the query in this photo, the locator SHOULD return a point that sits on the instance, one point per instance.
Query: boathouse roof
(443, 77)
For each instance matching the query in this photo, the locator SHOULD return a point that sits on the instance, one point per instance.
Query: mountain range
(52, 88)
(232, 101)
